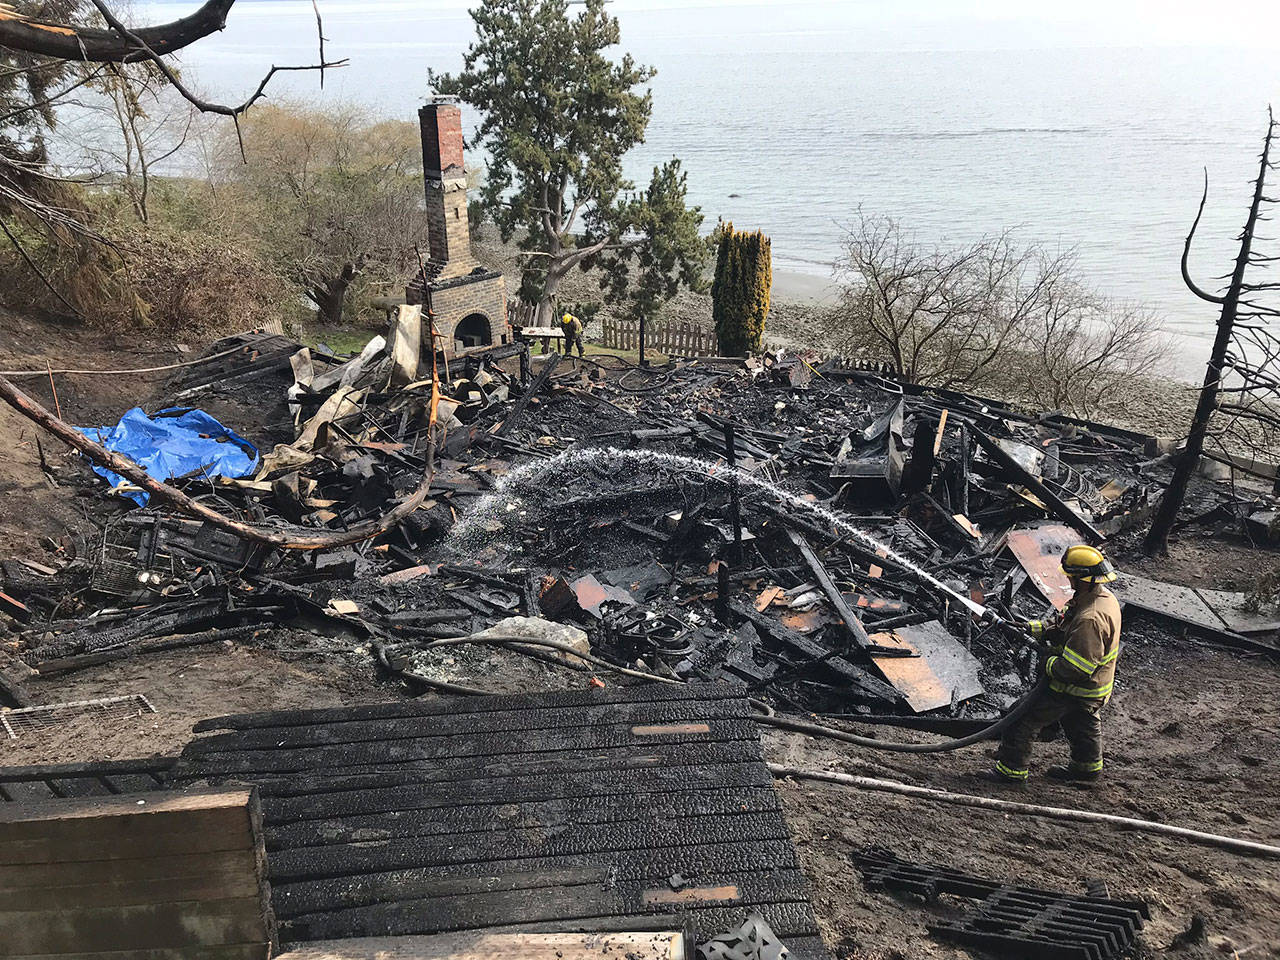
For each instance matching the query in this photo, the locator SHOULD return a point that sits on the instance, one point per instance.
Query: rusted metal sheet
(766, 597)
(943, 671)
(805, 621)
(876, 605)
(1039, 550)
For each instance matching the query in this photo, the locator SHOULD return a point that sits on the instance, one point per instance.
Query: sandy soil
(186, 686)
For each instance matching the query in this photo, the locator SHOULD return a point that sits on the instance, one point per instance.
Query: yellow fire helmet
(1083, 562)
(568, 318)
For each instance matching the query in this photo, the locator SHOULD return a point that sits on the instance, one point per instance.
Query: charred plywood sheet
(554, 812)
(1183, 604)
(1039, 550)
(1217, 611)
(1233, 609)
(942, 671)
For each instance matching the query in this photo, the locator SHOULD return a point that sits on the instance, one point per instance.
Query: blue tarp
(174, 443)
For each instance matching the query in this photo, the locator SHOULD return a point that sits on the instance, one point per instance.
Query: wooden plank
(670, 729)
(145, 927)
(125, 827)
(288, 802)
(136, 883)
(24, 878)
(145, 806)
(529, 747)
(472, 770)
(831, 591)
(649, 869)
(107, 874)
(474, 824)
(237, 951)
(449, 706)
(692, 895)
(470, 725)
(499, 946)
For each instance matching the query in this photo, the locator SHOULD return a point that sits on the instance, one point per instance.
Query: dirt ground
(1194, 731)
(1194, 740)
(33, 507)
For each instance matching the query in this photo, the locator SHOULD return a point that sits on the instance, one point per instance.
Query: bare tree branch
(1186, 249)
(70, 42)
(204, 106)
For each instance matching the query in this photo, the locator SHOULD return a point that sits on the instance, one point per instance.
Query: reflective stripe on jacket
(1084, 665)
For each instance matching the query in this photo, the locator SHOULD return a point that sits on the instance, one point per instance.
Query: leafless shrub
(991, 315)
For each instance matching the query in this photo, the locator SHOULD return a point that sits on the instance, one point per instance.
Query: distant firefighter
(1085, 644)
(571, 327)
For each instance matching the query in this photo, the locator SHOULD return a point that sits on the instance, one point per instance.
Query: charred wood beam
(95, 45)
(831, 591)
(1033, 483)
(539, 382)
(52, 668)
(864, 684)
(866, 554)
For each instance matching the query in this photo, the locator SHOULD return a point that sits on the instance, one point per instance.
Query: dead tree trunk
(1157, 540)
(330, 295)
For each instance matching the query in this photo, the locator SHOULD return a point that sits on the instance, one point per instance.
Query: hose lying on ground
(1028, 809)
(765, 715)
(831, 733)
(511, 642)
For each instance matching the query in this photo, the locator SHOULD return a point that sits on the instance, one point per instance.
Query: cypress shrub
(740, 293)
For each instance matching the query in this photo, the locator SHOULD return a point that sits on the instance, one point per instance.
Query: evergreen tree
(743, 281)
(665, 249)
(559, 111)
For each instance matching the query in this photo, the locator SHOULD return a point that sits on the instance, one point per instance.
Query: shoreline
(806, 289)
(1159, 403)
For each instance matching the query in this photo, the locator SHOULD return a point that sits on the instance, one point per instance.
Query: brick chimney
(448, 231)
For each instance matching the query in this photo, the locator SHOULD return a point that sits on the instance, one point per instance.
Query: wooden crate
(156, 876)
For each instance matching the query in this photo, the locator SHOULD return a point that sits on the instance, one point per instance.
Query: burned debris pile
(838, 542)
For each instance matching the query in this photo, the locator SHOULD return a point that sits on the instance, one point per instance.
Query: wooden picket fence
(521, 314)
(673, 339)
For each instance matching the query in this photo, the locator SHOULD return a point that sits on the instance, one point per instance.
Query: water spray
(526, 477)
(510, 488)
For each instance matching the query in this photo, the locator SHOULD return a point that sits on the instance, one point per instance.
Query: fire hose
(831, 733)
(765, 715)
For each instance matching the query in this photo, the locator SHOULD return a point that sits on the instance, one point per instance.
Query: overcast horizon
(934, 24)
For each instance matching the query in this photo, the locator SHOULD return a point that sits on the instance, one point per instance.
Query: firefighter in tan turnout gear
(1085, 644)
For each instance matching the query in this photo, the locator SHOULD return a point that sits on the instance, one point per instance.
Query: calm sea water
(791, 116)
